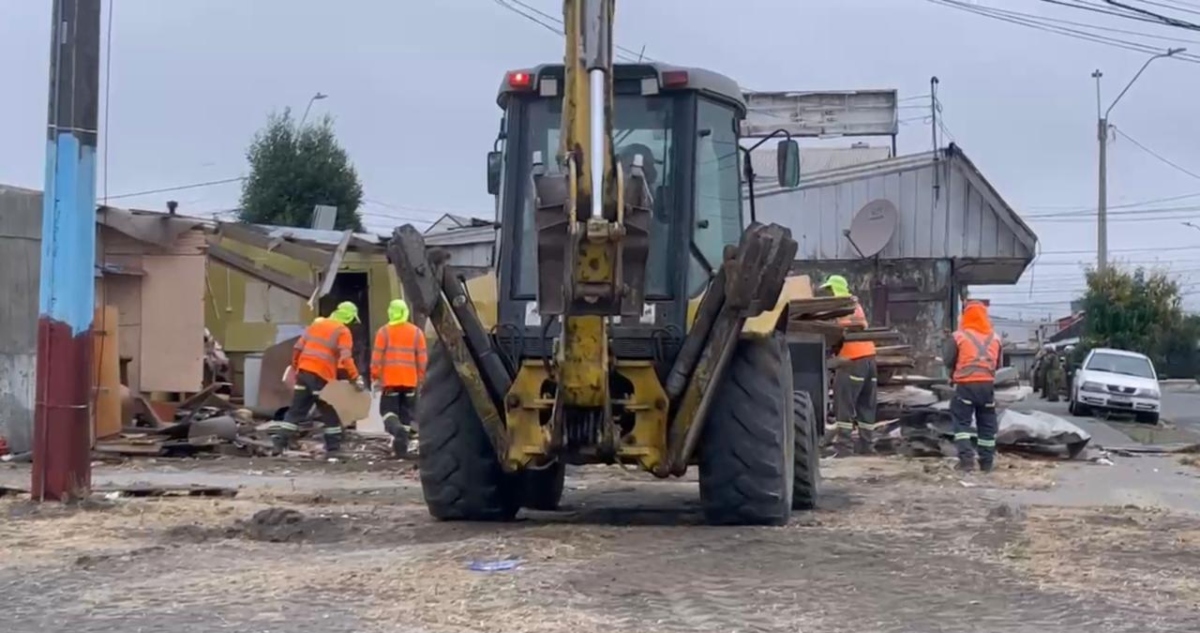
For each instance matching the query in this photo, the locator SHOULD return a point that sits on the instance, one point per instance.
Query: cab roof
(698, 79)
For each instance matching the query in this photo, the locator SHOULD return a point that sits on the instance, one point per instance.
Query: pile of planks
(818, 315)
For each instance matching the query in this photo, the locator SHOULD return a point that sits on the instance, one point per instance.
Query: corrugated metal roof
(473, 235)
(948, 210)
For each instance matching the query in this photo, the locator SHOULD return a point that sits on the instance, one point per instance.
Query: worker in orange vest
(854, 381)
(398, 362)
(972, 355)
(320, 354)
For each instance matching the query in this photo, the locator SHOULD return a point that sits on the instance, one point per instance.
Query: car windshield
(1121, 364)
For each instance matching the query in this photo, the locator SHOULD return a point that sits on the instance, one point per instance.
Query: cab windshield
(642, 125)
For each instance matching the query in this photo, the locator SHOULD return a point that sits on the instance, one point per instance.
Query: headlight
(1149, 393)
(1094, 387)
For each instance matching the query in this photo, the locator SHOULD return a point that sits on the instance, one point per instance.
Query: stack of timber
(818, 315)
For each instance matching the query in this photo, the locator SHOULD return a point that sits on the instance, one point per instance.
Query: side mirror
(787, 163)
(494, 162)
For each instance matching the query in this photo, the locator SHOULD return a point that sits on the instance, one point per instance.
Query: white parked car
(1117, 381)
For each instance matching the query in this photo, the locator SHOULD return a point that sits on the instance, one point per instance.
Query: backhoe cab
(642, 328)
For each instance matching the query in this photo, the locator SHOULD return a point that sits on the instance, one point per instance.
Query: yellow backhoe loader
(635, 314)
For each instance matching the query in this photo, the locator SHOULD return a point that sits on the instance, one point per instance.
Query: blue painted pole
(62, 417)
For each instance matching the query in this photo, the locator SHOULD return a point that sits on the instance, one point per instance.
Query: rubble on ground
(214, 426)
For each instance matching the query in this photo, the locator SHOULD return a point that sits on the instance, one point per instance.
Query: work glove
(359, 384)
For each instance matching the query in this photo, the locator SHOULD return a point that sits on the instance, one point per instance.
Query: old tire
(806, 486)
(543, 489)
(1147, 418)
(460, 474)
(746, 451)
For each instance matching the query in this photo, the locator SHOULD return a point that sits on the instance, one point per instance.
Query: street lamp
(1102, 137)
(316, 97)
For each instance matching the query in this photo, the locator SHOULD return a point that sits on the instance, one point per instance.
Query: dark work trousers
(397, 408)
(978, 400)
(304, 398)
(854, 387)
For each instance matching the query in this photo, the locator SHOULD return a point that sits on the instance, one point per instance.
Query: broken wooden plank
(831, 331)
(875, 335)
(894, 361)
(300, 287)
(331, 269)
(129, 447)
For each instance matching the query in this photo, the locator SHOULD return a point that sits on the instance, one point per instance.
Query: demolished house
(909, 233)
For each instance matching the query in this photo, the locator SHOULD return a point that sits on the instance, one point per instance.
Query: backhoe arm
(593, 226)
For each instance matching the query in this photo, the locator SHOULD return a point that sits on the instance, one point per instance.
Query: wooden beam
(331, 270)
(300, 287)
(279, 245)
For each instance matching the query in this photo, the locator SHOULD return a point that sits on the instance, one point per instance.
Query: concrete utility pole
(1102, 137)
(62, 421)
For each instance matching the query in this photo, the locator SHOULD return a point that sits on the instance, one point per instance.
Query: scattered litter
(494, 566)
(1103, 461)
(968, 484)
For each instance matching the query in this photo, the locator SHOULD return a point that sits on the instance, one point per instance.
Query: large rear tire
(806, 486)
(543, 489)
(746, 451)
(460, 473)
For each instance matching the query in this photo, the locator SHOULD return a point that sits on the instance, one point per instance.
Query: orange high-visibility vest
(399, 356)
(324, 347)
(854, 350)
(977, 357)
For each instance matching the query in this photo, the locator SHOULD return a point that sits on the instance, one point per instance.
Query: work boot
(965, 465)
(400, 439)
(332, 436)
(986, 466)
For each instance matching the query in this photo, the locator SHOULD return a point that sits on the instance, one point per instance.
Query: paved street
(1181, 405)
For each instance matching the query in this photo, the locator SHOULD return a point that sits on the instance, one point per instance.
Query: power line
(1121, 206)
(1173, 7)
(1088, 25)
(1103, 10)
(1042, 24)
(555, 25)
(1087, 214)
(1150, 249)
(1155, 154)
(197, 185)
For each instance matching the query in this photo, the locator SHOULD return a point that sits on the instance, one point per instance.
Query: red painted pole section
(62, 434)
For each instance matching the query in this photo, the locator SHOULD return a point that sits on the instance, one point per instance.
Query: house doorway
(354, 287)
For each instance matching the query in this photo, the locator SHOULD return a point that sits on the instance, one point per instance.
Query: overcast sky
(412, 85)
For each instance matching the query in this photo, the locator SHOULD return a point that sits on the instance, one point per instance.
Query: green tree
(294, 169)
(1141, 311)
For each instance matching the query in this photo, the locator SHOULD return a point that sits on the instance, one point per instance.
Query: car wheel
(1147, 418)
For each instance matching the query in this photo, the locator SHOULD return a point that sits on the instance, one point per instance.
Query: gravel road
(898, 546)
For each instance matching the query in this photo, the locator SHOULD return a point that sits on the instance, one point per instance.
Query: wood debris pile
(208, 423)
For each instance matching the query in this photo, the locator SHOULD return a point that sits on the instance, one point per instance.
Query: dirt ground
(898, 546)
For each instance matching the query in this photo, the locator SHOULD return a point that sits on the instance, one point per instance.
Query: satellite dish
(873, 227)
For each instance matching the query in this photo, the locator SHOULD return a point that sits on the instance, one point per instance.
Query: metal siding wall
(20, 265)
(951, 221)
